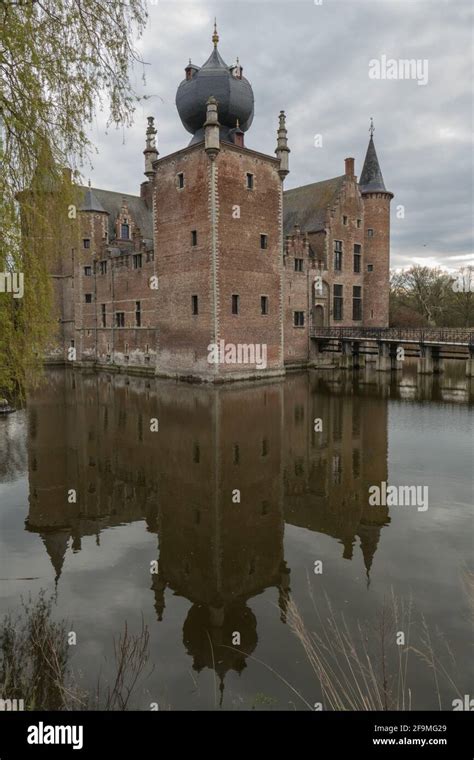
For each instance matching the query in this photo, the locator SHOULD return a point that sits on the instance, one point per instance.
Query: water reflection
(93, 433)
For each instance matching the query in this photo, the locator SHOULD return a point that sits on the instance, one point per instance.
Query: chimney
(349, 164)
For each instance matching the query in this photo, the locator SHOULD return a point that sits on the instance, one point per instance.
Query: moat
(156, 466)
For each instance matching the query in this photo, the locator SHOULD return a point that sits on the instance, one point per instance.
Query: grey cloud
(313, 61)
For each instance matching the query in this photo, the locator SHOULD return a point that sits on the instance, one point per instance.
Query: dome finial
(215, 36)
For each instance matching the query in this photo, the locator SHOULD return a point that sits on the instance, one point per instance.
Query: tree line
(431, 297)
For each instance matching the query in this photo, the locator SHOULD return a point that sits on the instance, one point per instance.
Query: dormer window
(125, 230)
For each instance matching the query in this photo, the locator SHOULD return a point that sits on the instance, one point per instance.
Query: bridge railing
(451, 335)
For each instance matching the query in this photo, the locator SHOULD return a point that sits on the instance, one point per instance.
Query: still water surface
(226, 567)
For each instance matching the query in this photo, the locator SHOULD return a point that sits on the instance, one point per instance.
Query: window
(264, 304)
(298, 319)
(357, 257)
(236, 453)
(235, 304)
(370, 267)
(338, 302)
(125, 231)
(344, 220)
(263, 241)
(138, 313)
(137, 261)
(194, 237)
(103, 267)
(88, 297)
(249, 181)
(120, 318)
(370, 233)
(298, 265)
(194, 305)
(104, 315)
(181, 180)
(359, 224)
(337, 255)
(87, 271)
(357, 302)
(87, 243)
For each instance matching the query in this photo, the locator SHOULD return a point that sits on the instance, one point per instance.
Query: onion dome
(232, 91)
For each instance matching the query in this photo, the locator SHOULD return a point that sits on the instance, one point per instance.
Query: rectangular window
(344, 220)
(194, 305)
(298, 265)
(181, 180)
(235, 304)
(357, 303)
(104, 315)
(370, 233)
(338, 255)
(263, 241)
(87, 271)
(137, 260)
(120, 318)
(138, 313)
(249, 181)
(338, 306)
(359, 224)
(370, 267)
(264, 304)
(88, 297)
(87, 243)
(103, 267)
(125, 231)
(194, 237)
(357, 257)
(298, 319)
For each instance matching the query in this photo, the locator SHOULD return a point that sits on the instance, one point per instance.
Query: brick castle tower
(217, 234)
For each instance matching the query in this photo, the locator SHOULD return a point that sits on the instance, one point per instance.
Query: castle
(214, 272)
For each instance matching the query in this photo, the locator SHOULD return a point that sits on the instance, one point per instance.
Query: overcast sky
(311, 58)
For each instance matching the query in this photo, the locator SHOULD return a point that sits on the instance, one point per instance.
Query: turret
(151, 155)
(211, 129)
(282, 149)
(376, 239)
(150, 152)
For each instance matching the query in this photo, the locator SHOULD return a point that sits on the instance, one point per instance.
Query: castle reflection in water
(92, 433)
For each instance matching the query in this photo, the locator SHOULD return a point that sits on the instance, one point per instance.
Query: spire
(371, 180)
(215, 36)
(150, 152)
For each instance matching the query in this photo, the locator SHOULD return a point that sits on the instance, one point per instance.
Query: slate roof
(307, 205)
(90, 202)
(111, 203)
(371, 180)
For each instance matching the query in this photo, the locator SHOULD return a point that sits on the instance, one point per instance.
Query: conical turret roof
(371, 180)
